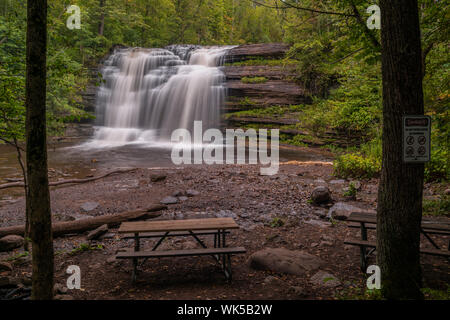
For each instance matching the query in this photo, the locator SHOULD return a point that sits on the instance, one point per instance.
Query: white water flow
(148, 93)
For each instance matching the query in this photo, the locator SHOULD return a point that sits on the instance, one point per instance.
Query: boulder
(284, 261)
(8, 243)
(89, 206)
(321, 195)
(169, 200)
(97, 233)
(325, 279)
(342, 210)
(5, 266)
(8, 282)
(192, 193)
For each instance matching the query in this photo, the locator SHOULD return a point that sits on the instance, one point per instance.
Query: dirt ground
(257, 203)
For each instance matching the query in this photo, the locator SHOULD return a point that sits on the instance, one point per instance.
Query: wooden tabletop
(372, 219)
(178, 225)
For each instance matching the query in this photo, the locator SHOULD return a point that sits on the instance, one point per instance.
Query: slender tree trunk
(400, 190)
(101, 25)
(38, 196)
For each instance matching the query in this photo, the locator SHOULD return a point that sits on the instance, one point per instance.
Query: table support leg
(135, 260)
(363, 248)
(429, 239)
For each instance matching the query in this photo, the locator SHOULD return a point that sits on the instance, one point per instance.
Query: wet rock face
(280, 87)
(265, 50)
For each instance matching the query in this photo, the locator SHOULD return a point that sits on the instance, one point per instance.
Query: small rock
(321, 213)
(169, 200)
(59, 289)
(321, 195)
(327, 238)
(178, 193)
(325, 279)
(26, 281)
(341, 181)
(5, 266)
(297, 291)
(8, 243)
(158, 177)
(271, 280)
(111, 260)
(89, 206)
(447, 192)
(97, 233)
(183, 198)
(192, 193)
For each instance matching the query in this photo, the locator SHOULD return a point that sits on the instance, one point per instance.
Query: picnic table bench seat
(218, 227)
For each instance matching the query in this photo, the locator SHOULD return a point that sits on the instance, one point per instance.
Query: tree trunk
(101, 25)
(38, 196)
(400, 190)
(79, 226)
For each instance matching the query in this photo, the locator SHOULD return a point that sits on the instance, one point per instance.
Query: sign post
(416, 139)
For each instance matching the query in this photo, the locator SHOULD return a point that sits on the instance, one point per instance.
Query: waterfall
(148, 93)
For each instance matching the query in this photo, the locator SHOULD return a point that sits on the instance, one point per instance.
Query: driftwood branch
(61, 182)
(79, 226)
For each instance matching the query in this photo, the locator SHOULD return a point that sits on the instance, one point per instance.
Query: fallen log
(58, 183)
(79, 226)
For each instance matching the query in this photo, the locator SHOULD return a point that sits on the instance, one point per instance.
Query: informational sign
(416, 139)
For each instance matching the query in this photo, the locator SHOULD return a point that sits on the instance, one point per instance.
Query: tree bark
(38, 195)
(400, 190)
(101, 24)
(79, 226)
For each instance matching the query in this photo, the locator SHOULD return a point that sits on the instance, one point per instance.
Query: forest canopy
(331, 44)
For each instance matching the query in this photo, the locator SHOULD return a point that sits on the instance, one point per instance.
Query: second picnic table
(217, 227)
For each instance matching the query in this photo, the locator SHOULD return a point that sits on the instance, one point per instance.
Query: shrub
(356, 165)
(254, 79)
(438, 168)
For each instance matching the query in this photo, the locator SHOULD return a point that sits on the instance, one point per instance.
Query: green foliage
(438, 168)
(354, 293)
(276, 222)
(85, 247)
(351, 192)
(356, 165)
(434, 294)
(254, 79)
(439, 207)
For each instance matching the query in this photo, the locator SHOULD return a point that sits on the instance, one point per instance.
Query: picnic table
(162, 229)
(368, 221)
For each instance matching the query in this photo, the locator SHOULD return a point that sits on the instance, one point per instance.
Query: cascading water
(148, 93)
